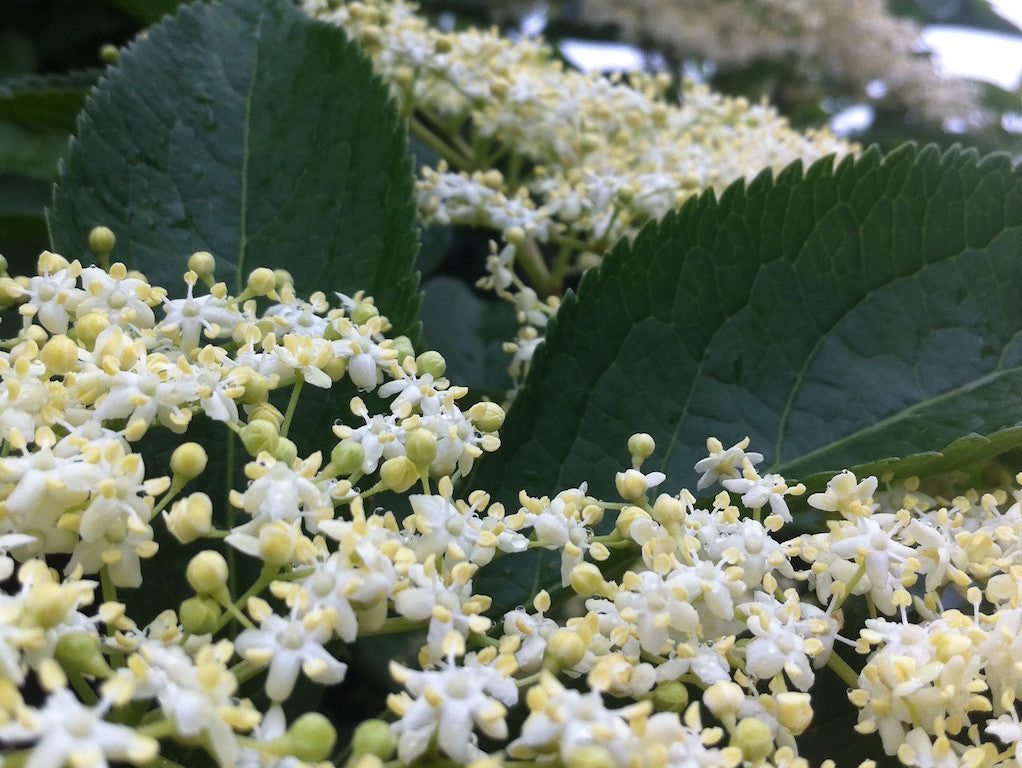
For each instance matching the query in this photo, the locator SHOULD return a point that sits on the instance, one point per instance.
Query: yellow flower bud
(724, 699)
(190, 517)
(261, 281)
(202, 264)
(101, 241)
(399, 474)
(266, 411)
(207, 573)
(486, 416)
(587, 580)
(641, 447)
(277, 542)
(631, 484)
(59, 355)
(90, 326)
(794, 711)
(188, 461)
(564, 650)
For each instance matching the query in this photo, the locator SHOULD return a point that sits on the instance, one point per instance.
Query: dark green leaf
(469, 332)
(251, 131)
(46, 101)
(867, 315)
(147, 11)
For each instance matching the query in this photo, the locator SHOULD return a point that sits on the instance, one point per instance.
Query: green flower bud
(670, 697)
(330, 333)
(363, 311)
(373, 737)
(266, 411)
(590, 756)
(79, 652)
(421, 447)
(403, 347)
(347, 457)
(285, 450)
(109, 54)
(101, 241)
(752, 736)
(432, 363)
(310, 738)
(199, 615)
(260, 435)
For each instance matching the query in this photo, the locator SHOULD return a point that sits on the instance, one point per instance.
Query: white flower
(197, 695)
(723, 463)
(287, 645)
(563, 720)
(445, 528)
(846, 496)
(758, 491)
(447, 702)
(875, 547)
(187, 318)
(68, 732)
(124, 300)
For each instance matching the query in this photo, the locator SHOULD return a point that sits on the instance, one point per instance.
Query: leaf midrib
(239, 270)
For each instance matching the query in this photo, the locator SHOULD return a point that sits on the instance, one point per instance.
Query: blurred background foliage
(51, 52)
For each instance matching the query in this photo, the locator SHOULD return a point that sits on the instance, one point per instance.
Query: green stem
(234, 611)
(843, 670)
(852, 582)
(296, 390)
(395, 625)
(158, 729)
(110, 596)
(268, 574)
(170, 495)
(85, 693)
(531, 262)
(454, 158)
(561, 262)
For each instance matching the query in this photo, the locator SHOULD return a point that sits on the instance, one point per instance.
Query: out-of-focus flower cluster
(860, 48)
(559, 163)
(689, 634)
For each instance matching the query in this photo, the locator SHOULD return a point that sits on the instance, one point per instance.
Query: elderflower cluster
(554, 160)
(855, 45)
(687, 633)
